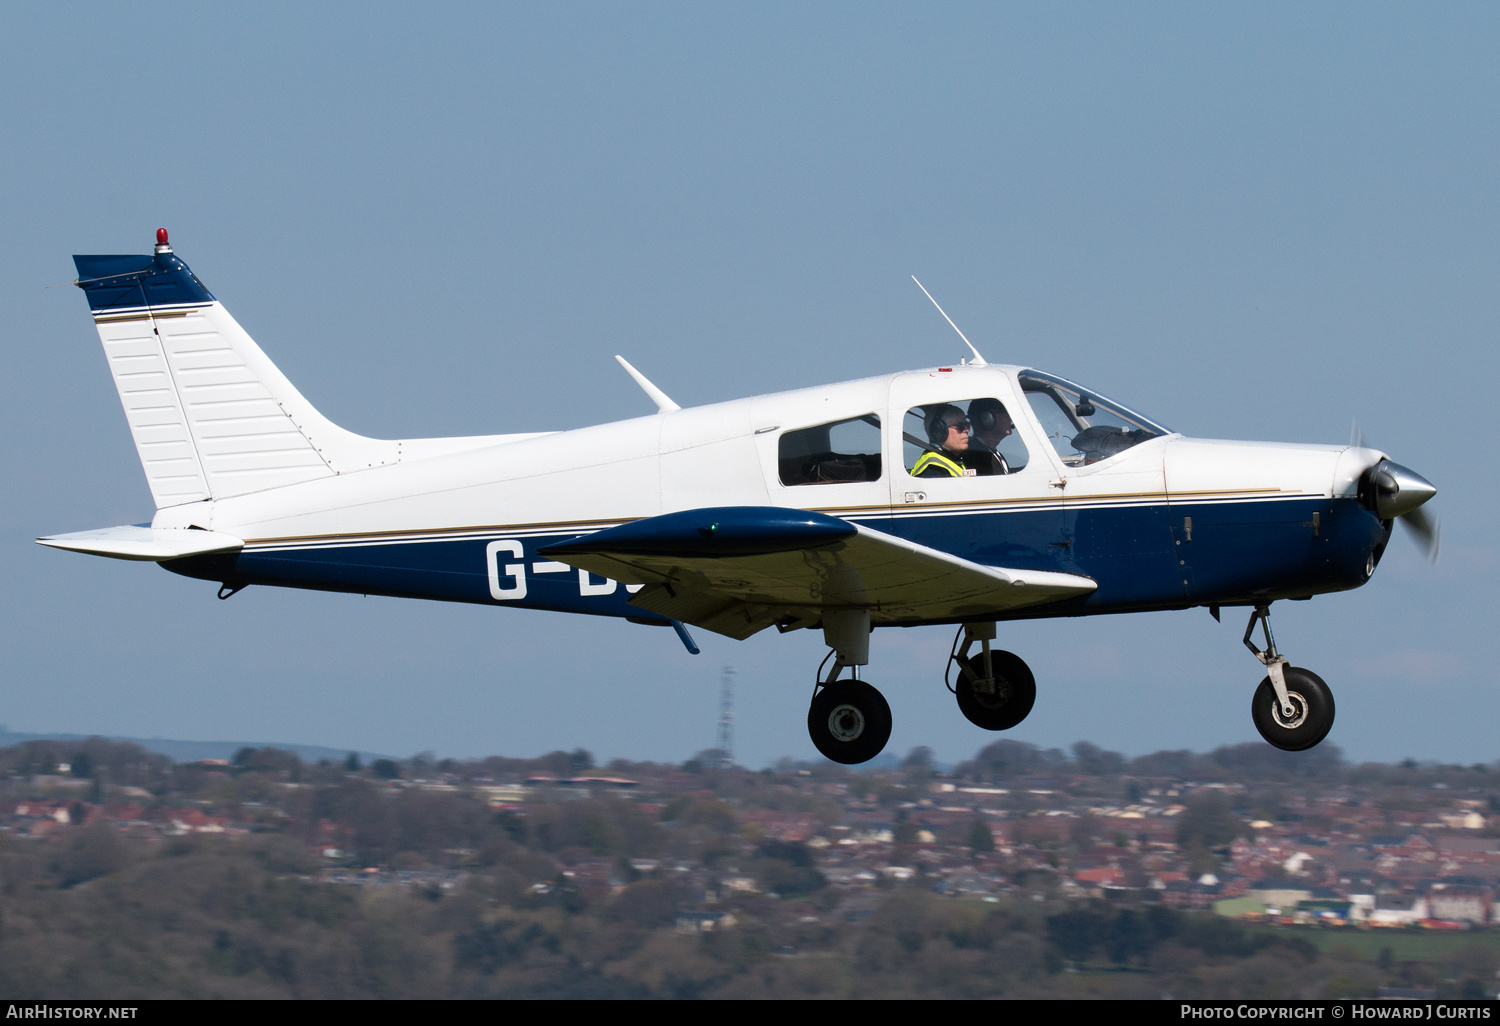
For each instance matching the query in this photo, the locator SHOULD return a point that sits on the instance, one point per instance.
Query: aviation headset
(985, 413)
(937, 422)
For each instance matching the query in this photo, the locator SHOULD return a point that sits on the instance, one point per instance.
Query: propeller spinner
(1397, 492)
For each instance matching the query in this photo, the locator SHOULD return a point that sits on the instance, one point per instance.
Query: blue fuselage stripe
(1142, 556)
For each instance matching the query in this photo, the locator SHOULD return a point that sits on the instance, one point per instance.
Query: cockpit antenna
(663, 403)
(978, 360)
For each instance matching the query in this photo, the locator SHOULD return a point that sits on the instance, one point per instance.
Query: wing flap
(713, 612)
(144, 543)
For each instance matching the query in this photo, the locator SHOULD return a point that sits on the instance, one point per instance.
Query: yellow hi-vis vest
(937, 459)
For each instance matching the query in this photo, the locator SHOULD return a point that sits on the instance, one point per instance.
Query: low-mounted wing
(145, 543)
(739, 569)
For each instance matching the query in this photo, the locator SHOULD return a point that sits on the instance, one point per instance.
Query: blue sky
(1260, 222)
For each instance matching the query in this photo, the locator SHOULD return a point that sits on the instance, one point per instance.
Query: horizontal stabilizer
(145, 543)
(737, 570)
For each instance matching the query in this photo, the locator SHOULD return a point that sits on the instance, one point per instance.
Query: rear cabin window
(835, 453)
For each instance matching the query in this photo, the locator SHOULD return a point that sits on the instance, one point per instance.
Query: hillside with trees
(1020, 873)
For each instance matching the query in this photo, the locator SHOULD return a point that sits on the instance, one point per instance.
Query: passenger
(991, 424)
(949, 432)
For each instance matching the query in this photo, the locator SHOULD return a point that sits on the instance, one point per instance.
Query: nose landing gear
(995, 689)
(1292, 708)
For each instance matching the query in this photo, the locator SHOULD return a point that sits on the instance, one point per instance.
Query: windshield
(1083, 426)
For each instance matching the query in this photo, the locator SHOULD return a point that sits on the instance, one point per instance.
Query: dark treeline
(1240, 763)
(123, 763)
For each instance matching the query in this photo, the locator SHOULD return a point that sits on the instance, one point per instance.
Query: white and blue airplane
(961, 495)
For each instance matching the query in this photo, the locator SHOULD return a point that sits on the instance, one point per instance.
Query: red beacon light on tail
(161, 241)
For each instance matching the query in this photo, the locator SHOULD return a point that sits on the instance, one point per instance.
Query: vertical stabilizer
(211, 415)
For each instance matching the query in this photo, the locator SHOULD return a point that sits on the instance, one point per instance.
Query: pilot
(948, 430)
(991, 423)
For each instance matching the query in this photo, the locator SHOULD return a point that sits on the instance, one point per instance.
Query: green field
(1405, 945)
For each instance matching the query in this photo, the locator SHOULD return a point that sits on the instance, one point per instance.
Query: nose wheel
(1311, 711)
(1292, 707)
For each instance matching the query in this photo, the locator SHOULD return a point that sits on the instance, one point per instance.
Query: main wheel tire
(1314, 716)
(849, 722)
(1011, 700)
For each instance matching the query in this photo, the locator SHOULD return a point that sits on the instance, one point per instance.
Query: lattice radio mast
(725, 743)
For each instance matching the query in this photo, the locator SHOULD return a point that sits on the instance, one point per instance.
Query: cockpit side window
(1082, 426)
(962, 438)
(834, 453)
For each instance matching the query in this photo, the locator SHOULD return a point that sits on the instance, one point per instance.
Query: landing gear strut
(1292, 707)
(995, 690)
(849, 721)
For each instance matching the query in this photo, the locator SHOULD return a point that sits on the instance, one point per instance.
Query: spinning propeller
(1394, 491)
(1397, 492)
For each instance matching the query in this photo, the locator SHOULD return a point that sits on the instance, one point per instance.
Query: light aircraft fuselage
(1169, 523)
(966, 495)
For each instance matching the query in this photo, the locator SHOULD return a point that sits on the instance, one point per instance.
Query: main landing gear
(1292, 707)
(995, 690)
(849, 721)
